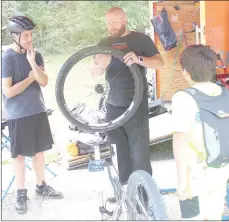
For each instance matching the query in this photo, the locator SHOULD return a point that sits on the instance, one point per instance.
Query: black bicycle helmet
(18, 24)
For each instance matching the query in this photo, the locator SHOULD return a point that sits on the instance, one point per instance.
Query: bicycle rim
(79, 122)
(144, 200)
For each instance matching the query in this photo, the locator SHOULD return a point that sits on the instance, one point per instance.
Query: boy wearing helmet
(22, 75)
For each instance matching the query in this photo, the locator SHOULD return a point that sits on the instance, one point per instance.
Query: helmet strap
(18, 42)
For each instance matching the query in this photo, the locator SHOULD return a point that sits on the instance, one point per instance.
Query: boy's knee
(39, 155)
(19, 158)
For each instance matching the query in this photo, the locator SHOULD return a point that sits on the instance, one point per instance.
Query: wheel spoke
(90, 89)
(143, 193)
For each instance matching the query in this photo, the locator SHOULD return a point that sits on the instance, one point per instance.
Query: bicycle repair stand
(96, 166)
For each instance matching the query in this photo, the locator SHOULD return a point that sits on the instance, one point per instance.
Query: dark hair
(200, 62)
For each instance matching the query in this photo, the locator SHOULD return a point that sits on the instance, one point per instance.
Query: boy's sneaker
(47, 191)
(21, 202)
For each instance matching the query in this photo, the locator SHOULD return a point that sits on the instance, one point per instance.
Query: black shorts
(189, 208)
(30, 135)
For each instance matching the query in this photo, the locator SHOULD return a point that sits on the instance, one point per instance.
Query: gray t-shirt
(30, 101)
(118, 75)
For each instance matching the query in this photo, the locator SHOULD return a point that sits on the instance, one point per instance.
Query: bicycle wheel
(77, 120)
(144, 201)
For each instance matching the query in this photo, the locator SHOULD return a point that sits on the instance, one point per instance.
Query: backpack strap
(209, 98)
(199, 154)
(192, 92)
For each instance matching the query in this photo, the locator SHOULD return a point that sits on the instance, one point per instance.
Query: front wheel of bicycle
(144, 201)
(76, 119)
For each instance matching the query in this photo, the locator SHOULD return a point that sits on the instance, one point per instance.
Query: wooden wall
(170, 79)
(217, 27)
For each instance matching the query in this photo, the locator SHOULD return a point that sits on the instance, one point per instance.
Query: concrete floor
(80, 188)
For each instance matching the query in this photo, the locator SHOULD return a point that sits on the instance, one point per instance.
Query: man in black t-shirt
(132, 139)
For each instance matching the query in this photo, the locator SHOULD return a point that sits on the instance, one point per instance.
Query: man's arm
(101, 61)
(40, 76)
(150, 55)
(39, 73)
(153, 62)
(11, 91)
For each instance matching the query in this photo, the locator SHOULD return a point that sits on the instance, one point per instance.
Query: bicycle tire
(90, 51)
(143, 178)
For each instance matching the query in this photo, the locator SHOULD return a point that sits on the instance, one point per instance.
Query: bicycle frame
(118, 190)
(120, 194)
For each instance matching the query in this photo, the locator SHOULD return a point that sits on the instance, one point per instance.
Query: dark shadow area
(162, 151)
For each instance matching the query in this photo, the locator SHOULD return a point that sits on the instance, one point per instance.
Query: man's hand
(31, 54)
(130, 58)
(99, 64)
(37, 72)
(153, 62)
(103, 60)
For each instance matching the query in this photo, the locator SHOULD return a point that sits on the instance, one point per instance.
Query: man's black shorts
(30, 135)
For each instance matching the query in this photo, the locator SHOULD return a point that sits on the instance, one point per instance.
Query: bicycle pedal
(103, 210)
(111, 200)
(96, 165)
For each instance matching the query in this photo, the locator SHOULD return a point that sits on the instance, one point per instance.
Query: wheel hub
(99, 88)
